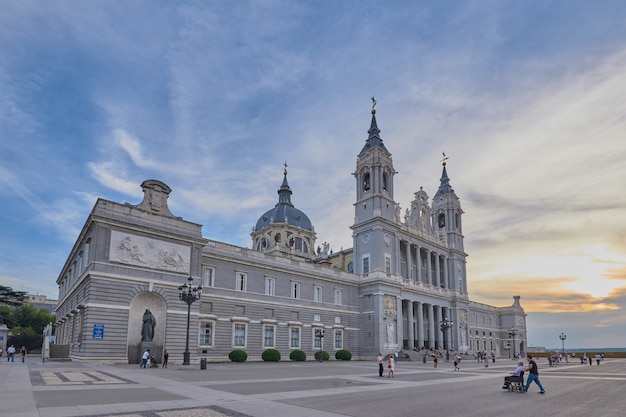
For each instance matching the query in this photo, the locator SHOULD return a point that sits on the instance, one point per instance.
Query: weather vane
(443, 161)
(285, 167)
(373, 102)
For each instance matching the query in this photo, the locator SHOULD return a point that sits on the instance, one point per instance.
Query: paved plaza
(306, 389)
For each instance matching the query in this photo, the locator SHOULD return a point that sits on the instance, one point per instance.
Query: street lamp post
(445, 325)
(320, 333)
(189, 294)
(563, 336)
(513, 332)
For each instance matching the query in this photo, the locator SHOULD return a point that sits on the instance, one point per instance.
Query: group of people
(148, 360)
(11, 353)
(531, 369)
(584, 358)
(533, 374)
(391, 364)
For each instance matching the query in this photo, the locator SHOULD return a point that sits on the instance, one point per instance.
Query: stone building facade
(403, 278)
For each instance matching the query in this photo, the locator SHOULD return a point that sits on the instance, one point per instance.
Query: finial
(285, 171)
(373, 105)
(443, 161)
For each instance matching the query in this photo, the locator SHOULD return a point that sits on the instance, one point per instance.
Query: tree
(11, 297)
(28, 317)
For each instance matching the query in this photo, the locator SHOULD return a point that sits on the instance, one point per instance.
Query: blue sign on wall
(98, 331)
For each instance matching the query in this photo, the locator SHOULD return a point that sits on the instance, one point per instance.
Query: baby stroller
(515, 383)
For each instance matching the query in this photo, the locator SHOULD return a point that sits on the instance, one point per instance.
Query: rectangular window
(240, 285)
(317, 317)
(294, 337)
(388, 264)
(295, 290)
(207, 276)
(268, 336)
(206, 333)
(270, 285)
(317, 294)
(366, 265)
(338, 339)
(239, 335)
(338, 297)
(338, 319)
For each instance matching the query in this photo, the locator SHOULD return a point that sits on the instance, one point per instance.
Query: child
(391, 367)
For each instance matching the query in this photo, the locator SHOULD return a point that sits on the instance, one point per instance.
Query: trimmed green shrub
(270, 355)
(238, 355)
(297, 355)
(325, 355)
(343, 355)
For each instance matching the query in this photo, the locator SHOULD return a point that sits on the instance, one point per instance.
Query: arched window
(384, 181)
(262, 245)
(366, 182)
(441, 220)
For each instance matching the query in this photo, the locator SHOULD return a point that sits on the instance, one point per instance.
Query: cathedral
(401, 287)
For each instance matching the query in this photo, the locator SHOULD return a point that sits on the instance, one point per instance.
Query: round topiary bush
(325, 355)
(343, 355)
(297, 355)
(270, 355)
(238, 355)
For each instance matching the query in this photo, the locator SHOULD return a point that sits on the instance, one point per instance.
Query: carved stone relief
(141, 251)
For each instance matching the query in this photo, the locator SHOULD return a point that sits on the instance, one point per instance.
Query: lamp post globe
(444, 325)
(512, 333)
(189, 294)
(319, 333)
(563, 336)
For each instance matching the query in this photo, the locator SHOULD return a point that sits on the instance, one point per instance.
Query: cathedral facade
(401, 287)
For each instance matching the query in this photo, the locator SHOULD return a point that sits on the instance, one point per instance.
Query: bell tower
(374, 178)
(447, 222)
(376, 214)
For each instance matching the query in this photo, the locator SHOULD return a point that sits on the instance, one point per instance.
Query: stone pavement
(306, 389)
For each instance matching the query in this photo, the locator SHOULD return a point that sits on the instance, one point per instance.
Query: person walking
(391, 366)
(380, 364)
(166, 357)
(144, 359)
(23, 353)
(533, 375)
(11, 353)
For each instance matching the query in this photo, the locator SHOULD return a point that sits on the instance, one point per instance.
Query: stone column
(429, 269)
(409, 318)
(399, 321)
(446, 282)
(408, 261)
(419, 263)
(420, 324)
(437, 270)
(439, 332)
(431, 327)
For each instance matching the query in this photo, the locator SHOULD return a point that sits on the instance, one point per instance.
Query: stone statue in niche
(147, 328)
(391, 333)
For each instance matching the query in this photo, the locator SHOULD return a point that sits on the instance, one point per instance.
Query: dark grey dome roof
(284, 211)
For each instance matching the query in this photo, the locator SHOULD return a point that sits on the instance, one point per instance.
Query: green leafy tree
(6, 315)
(11, 297)
(27, 316)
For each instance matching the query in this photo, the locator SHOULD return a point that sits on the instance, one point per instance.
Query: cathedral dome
(284, 211)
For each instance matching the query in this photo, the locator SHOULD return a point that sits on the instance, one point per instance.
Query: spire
(374, 133)
(284, 192)
(444, 186)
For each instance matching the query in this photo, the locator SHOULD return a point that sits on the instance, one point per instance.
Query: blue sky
(211, 97)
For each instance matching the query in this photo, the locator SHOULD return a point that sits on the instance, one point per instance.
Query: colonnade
(420, 264)
(421, 325)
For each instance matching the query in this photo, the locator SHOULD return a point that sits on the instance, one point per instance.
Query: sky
(526, 98)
